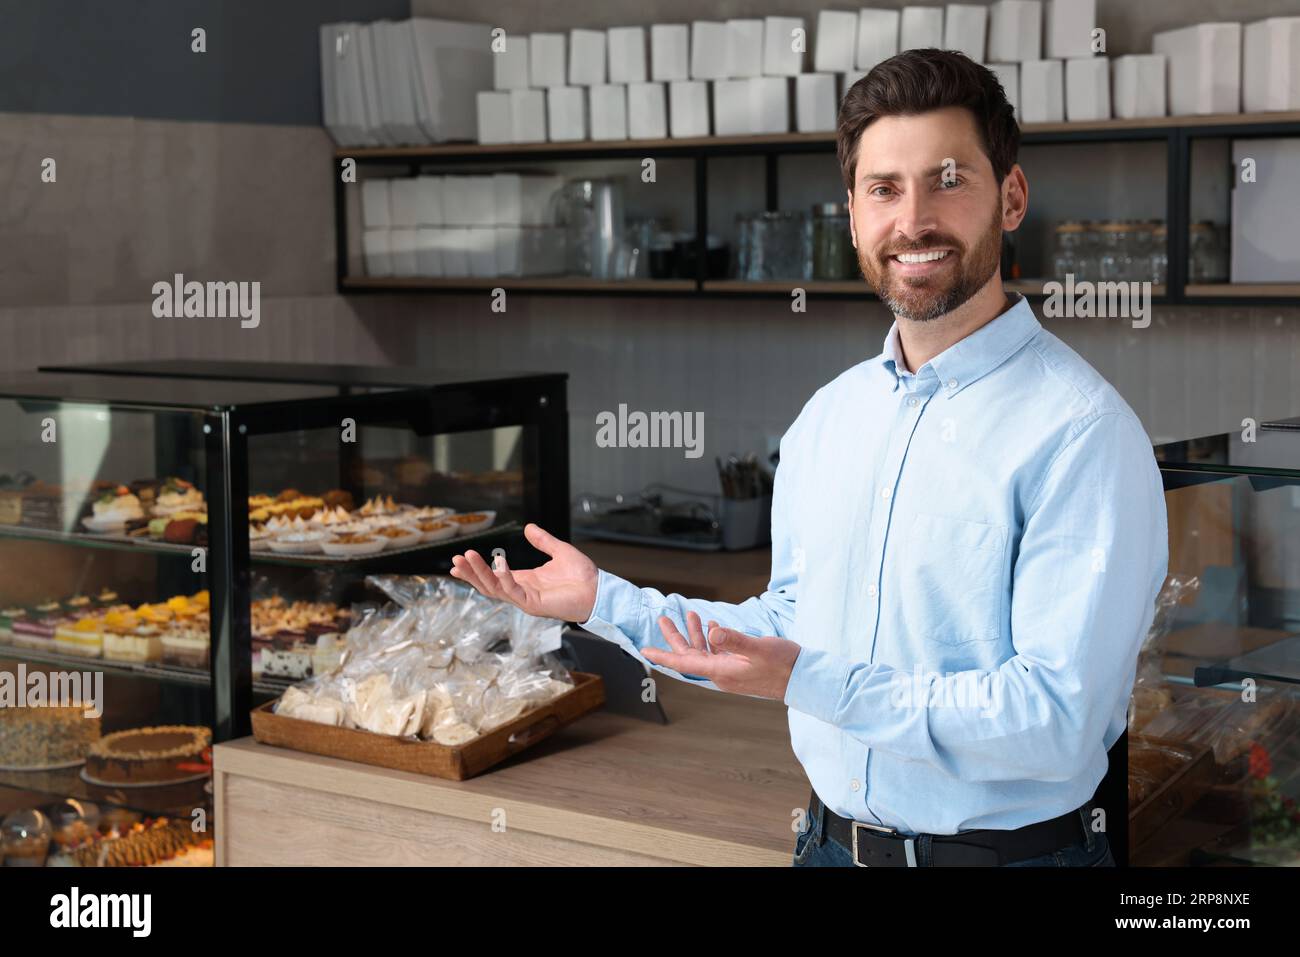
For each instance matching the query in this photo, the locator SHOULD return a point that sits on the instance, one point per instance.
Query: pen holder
(746, 522)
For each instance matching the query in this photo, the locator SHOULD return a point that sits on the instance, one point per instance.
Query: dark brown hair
(918, 81)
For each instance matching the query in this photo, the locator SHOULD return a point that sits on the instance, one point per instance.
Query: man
(968, 530)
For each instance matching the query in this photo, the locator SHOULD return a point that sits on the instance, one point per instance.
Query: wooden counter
(713, 576)
(717, 786)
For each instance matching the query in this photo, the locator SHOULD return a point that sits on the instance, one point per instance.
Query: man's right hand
(564, 587)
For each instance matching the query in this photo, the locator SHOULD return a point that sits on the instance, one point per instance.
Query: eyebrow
(892, 177)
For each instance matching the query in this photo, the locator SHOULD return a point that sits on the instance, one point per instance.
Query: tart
(436, 531)
(400, 536)
(148, 755)
(472, 522)
(298, 543)
(352, 545)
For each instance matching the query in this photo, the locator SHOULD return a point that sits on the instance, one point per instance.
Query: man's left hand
(732, 660)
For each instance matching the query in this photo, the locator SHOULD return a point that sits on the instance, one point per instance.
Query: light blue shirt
(968, 557)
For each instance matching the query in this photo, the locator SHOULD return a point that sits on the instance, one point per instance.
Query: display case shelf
(172, 800)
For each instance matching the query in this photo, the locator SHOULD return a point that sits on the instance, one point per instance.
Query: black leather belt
(876, 846)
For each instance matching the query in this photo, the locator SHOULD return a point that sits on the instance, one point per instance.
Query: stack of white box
(500, 224)
(749, 63)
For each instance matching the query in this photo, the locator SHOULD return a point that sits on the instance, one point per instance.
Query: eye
(875, 190)
(946, 183)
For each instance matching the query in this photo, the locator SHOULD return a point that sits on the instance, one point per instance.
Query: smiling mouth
(924, 256)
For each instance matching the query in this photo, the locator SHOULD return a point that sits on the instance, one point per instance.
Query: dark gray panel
(133, 57)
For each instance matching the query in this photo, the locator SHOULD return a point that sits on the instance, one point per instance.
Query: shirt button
(872, 591)
(884, 493)
(952, 383)
(913, 402)
(855, 784)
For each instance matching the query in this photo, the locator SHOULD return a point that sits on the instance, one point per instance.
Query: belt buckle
(909, 843)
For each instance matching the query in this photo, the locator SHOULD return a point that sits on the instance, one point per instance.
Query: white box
(1271, 77)
(1008, 75)
(566, 109)
(403, 249)
(1042, 91)
(455, 251)
(770, 103)
(670, 45)
(815, 101)
(377, 250)
(481, 250)
(507, 198)
(688, 108)
(546, 65)
(494, 117)
(478, 199)
(608, 111)
(527, 116)
(780, 58)
(708, 50)
(1137, 83)
(836, 41)
(733, 108)
(920, 27)
(509, 239)
(626, 54)
(964, 26)
(846, 81)
(1087, 89)
(744, 48)
(647, 111)
(877, 37)
(1015, 31)
(1264, 213)
(455, 202)
(1068, 25)
(403, 199)
(376, 211)
(510, 66)
(428, 201)
(538, 199)
(586, 57)
(1204, 68)
(428, 252)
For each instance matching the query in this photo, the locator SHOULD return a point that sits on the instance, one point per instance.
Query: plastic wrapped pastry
(438, 662)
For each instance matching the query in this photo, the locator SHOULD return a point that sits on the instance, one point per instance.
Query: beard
(925, 298)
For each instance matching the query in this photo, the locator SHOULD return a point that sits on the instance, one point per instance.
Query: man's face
(925, 192)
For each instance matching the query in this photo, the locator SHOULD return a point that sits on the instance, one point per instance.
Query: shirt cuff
(817, 684)
(618, 602)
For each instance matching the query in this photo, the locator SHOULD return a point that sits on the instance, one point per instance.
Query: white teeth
(921, 257)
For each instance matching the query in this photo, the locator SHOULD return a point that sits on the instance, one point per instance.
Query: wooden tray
(428, 757)
(1175, 795)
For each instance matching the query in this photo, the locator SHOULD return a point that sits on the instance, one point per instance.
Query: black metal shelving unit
(1178, 134)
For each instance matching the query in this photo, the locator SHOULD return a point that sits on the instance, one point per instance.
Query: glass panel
(1214, 753)
(105, 699)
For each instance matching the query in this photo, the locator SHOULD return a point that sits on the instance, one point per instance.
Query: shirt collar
(971, 358)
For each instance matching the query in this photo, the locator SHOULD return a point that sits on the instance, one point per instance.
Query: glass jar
(1115, 263)
(1089, 254)
(1139, 251)
(1200, 253)
(780, 246)
(832, 244)
(1066, 249)
(1159, 254)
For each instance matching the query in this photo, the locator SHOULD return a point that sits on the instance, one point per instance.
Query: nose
(914, 218)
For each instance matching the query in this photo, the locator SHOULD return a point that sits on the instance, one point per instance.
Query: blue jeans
(813, 849)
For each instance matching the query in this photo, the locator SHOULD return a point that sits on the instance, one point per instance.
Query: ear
(1015, 199)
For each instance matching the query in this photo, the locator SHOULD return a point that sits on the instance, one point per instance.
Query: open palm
(564, 587)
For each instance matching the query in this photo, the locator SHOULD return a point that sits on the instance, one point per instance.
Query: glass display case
(175, 551)
(1214, 755)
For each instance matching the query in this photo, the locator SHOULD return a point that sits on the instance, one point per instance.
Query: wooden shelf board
(575, 283)
(1243, 289)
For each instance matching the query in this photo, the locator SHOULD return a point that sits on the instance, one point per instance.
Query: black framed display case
(1214, 748)
(139, 523)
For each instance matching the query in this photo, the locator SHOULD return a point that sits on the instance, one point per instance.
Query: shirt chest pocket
(951, 579)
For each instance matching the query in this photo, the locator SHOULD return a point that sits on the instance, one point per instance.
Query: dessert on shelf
(43, 738)
(149, 756)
